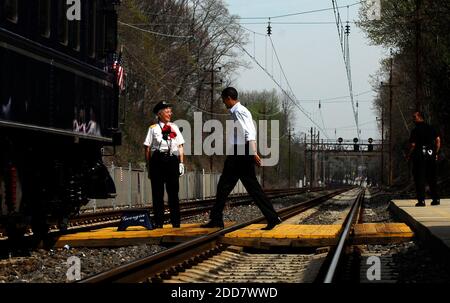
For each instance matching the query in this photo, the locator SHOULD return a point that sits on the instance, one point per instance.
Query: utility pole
(211, 110)
(289, 160)
(311, 161)
(317, 160)
(304, 168)
(419, 91)
(382, 144)
(289, 155)
(323, 165)
(263, 170)
(390, 121)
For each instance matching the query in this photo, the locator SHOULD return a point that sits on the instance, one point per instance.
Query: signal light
(355, 146)
(370, 146)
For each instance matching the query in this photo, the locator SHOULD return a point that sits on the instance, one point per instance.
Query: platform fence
(134, 188)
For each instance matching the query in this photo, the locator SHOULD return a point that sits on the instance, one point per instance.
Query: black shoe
(271, 225)
(212, 224)
(436, 202)
(157, 226)
(176, 225)
(421, 203)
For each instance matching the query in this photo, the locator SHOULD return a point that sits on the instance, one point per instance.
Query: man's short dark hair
(230, 92)
(421, 114)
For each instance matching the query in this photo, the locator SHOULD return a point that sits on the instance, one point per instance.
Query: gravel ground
(376, 209)
(247, 212)
(330, 212)
(51, 266)
(405, 263)
(409, 262)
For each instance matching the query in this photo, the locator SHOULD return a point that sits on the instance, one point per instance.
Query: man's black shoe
(176, 225)
(420, 204)
(157, 226)
(271, 225)
(212, 224)
(436, 202)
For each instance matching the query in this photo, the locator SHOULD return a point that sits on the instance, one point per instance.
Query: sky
(313, 63)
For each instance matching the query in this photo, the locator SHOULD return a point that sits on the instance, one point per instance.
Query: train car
(59, 108)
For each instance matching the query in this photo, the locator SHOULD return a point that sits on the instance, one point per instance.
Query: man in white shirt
(240, 165)
(164, 154)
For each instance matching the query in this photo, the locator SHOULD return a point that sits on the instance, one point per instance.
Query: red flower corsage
(168, 132)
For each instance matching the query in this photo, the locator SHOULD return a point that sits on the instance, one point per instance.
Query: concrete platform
(431, 223)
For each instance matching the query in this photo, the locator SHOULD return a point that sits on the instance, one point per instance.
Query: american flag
(120, 72)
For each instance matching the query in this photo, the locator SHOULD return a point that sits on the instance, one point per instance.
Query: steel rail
(187, 208)
(338, 251)
(105, 219)
(140, 270)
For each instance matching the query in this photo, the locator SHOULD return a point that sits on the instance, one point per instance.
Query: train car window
(11, 8)
(92, 27)
(111, 32)
(100, 39)
(63, 26)
(44, 18)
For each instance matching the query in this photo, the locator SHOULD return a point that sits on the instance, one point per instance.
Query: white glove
(181, 169)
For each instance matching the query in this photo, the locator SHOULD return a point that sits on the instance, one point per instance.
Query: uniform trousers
(164, 170)
(424, 172)
(241, 168)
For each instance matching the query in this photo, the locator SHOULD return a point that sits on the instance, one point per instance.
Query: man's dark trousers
(241, 168)
(424, 171)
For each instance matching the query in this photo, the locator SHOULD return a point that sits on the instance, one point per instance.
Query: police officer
(240, 164)
(425, 144)
(165, 157)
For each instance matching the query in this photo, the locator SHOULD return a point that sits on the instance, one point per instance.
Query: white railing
(134, 188)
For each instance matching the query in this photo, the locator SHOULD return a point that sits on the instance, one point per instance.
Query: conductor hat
(161, 105)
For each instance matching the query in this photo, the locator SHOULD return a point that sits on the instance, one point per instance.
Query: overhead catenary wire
(295, 102)
(344, 42)
(153, 32)
(238, 44)
(326, 100)
(288, 83)
(294, 23)
(323, 120)
(303, 100)
(298, 13)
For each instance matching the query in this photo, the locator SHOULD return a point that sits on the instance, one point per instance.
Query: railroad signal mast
(326, 150)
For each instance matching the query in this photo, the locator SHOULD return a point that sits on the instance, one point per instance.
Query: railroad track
(102, 219)
(334, 264)
(204, 255)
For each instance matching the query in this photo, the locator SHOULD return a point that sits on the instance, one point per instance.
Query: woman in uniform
(165, 156)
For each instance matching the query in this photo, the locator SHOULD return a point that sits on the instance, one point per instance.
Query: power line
(238, 44)
(287, 82)
(334, 102)
(154, 33)
(293, 23)
(344, 41)
(323, 121)
(298, 13)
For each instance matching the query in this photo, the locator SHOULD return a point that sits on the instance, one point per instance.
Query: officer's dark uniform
(424, 160)
(164, 167)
